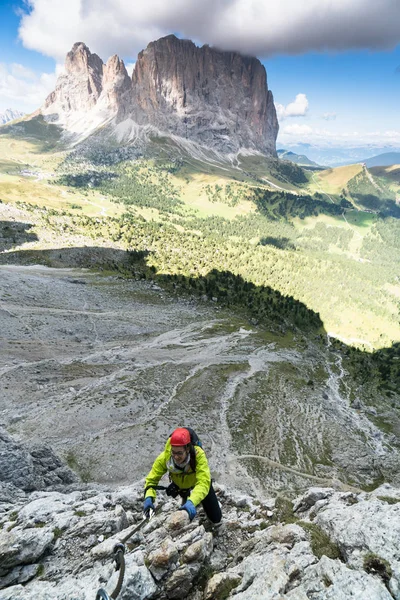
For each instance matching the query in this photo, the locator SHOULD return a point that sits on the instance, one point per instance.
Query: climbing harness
(119, 558)
(171, 490)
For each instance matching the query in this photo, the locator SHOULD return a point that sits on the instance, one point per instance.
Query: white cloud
(297, 130)
(21, 72)
(250, 26)
(22, 89)
(297, 133)
(298, 108)
(329, 116)
(388, 137)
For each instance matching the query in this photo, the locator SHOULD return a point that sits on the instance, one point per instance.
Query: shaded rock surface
(31, 468)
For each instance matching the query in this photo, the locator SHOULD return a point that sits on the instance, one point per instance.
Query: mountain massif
(215, 98)
(9, 115)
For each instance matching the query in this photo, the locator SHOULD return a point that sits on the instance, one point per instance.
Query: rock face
(80, 87)
(218, 99)
(60, 545)
(29, 469)
(89, 93)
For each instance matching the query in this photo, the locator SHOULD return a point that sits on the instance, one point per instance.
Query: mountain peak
(79, 46)
(116, 66)
(215, 98)
(80, 59)
(9, 115)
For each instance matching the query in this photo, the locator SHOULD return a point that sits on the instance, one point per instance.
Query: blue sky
(353, 92)
(331, 65)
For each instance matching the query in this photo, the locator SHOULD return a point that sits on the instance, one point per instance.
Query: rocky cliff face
(328, 545)
(89, 93)
(29, 469)
(80, 87)
(218, 99)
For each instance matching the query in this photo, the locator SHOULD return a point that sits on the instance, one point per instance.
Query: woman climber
(189, 473)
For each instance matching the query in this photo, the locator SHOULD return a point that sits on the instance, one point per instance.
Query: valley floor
(103, 368)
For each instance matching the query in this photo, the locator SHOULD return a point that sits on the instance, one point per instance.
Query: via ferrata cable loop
(119, 558)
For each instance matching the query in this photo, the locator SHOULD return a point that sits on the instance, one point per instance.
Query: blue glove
(147, 507)
(190, 509)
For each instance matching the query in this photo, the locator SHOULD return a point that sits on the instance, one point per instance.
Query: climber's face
(179, 454)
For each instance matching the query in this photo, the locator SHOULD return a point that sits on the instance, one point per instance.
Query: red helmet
(180, 437)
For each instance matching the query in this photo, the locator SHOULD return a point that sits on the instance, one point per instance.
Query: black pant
(210, 504)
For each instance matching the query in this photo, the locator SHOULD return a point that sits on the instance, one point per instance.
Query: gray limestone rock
(31, 469)
(138, 582)
(127, 497)
(179, 583)
(220, 585)
(312, 496)
(23, 546)
(161, 559)
(9, 494)
(387, 491)
(369, 526)
(199, 551)
(16, 464)
(170, 557)
(332, 580)
(19, 575)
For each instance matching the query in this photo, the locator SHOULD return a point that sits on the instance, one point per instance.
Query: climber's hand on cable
(148, 507)
(190, 509)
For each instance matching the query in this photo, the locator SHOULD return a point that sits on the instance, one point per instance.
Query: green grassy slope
(268, 223)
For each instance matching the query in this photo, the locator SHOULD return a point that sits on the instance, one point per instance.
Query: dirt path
(371, 179)
(325, 482)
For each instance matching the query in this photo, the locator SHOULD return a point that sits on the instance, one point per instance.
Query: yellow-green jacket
(200, 480)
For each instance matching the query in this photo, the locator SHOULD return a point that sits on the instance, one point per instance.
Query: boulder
(138, 582)
(179, 583)
(199, 551)
(220, 586)
(312, 496)
(19, 575)
(23, 546)
(31, 469)
(162, 559)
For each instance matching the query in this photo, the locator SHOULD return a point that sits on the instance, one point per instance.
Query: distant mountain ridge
(9, 115)
(298, 159)
(387, 159)
(215, 98)
(338, 156)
